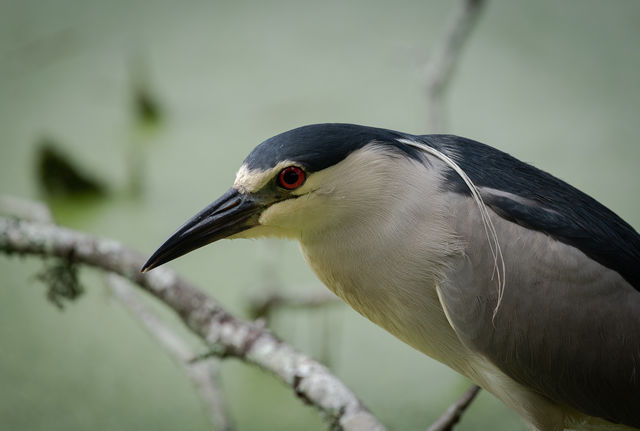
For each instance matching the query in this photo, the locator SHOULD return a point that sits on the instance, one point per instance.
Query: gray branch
(203, 374)
(452, 416)
(221, 331)
(444, 58)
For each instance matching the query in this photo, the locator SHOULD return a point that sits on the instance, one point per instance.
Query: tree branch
(444, 58)
(452, 416)
(203, 374)
(222, 331)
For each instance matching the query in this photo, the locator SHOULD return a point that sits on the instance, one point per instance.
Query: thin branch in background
(204, 374)
(263, 306)
(438, 72)
(444, 57)
(220, 330)
(452, 416)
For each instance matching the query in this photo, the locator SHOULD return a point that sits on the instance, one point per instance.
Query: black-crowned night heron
(506, 274)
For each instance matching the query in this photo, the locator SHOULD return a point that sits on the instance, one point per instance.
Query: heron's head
(299, 183)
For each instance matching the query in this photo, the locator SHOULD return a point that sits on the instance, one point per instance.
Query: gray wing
(569, 321)
(567, 326)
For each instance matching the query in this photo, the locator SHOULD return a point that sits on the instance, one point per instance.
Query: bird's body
(537, 300)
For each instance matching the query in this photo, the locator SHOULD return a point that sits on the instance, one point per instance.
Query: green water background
(553, 83)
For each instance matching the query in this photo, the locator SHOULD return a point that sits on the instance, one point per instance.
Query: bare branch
(264, 305)
(444, 57)
(203, 374)
(220, 330)
(452, 416)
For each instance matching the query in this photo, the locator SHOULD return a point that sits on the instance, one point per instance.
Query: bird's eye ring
(291, 177)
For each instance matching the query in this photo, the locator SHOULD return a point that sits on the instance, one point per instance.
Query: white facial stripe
(250, 181)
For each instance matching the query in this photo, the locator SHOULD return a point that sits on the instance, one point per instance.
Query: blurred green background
(553, 83)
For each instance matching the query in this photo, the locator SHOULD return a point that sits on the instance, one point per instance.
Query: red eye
(291, 178)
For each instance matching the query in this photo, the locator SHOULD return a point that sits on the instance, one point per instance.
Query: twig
(263, 306)
(201, 373)
(453, 414)
(444, 57)
(311, 381)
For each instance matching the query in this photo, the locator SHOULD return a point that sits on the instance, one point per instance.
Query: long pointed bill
(233, 212)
